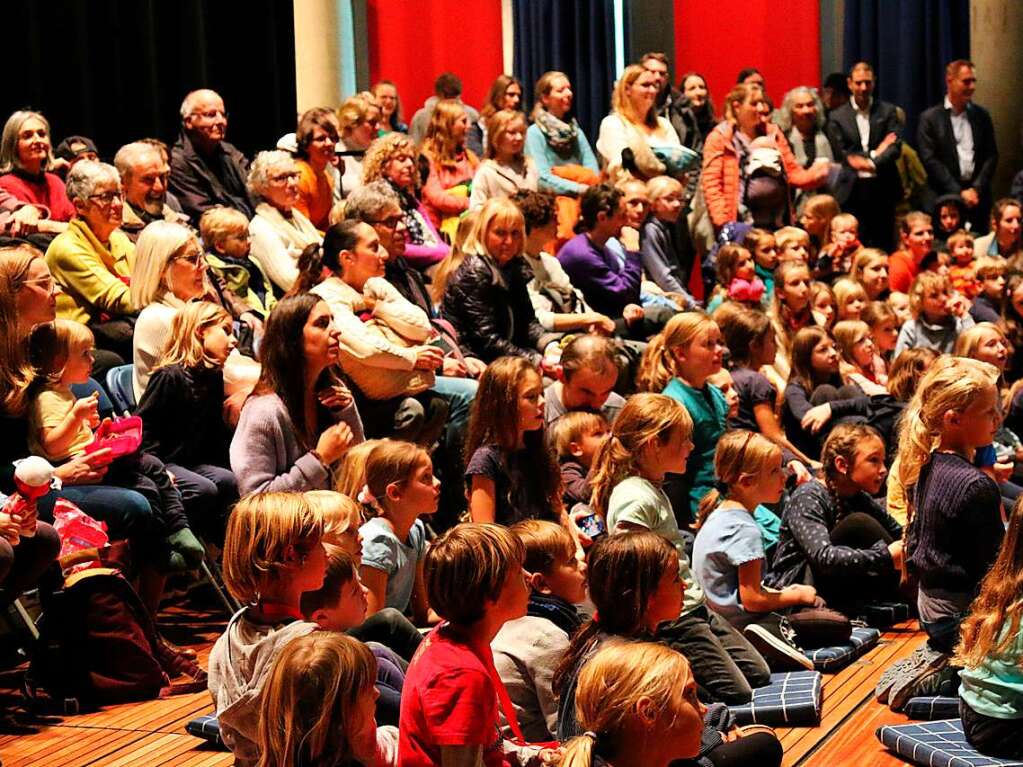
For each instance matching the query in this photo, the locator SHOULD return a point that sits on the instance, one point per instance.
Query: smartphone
(593, 525)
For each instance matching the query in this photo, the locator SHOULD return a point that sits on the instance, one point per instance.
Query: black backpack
(98, 646)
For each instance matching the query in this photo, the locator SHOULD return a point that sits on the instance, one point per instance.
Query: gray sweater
(266, 455)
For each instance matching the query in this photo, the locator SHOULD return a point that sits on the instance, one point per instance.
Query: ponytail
(579, 751)
(310, 269)
(657, 367)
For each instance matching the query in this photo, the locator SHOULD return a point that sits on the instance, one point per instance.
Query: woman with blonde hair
(357, 128)
(486, 299)
(451, 165)
(627, 693)
(564, 159)
(506, 170)
(635, 128)
(505, 93)
(392, 158)
(870, 269)
(317, 707)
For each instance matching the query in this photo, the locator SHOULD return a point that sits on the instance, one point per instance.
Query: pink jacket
(440, 203)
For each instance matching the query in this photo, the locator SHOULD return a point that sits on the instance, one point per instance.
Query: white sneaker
(779, 654)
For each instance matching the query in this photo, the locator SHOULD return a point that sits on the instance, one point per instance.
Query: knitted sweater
(608, 287)
(267, 455)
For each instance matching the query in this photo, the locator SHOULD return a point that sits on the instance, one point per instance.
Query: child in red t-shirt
(449, 705)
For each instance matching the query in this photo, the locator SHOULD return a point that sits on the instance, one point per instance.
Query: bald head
(204, 117)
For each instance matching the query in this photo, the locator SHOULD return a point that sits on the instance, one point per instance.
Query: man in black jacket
(204, 169)
(864, 134)
(957, 146)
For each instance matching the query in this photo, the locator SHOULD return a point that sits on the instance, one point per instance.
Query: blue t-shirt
(728, 538)
(708, 409)
(382, 550)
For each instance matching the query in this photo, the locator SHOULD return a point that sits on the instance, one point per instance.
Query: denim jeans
(208, 492)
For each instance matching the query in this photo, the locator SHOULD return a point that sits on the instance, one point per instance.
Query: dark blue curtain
(908, 42)
(575, 37)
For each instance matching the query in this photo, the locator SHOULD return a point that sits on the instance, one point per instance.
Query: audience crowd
(461, 404)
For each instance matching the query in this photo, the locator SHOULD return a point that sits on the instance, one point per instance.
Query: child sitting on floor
(962, 270)
(528, 649)
(939, 316)
(576, 437)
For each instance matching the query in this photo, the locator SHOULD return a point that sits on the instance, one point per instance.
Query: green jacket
(237, 277)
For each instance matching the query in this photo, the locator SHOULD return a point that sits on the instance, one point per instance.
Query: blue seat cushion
(791, 699)
(839, 656)
(937, 744)
(206, 727)
(933, 707)
(884, 614)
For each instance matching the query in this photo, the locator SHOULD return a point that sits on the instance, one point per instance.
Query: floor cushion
(791, 699)
(933, 707)
(839, 656)
(206, 727)
(937, 744)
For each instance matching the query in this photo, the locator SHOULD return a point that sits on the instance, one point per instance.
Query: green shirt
(708, 409)
(641, 502)
(995, 687)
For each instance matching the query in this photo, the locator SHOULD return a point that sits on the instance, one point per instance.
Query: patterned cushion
(934, 707)
(792, 699)
(206, 727)
(839, 656)
(884, 614)
(937, 744)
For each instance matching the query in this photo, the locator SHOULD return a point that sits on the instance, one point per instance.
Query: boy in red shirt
(449, 704)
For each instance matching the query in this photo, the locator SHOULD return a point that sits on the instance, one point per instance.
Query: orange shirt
(317, 195)
(902, 269)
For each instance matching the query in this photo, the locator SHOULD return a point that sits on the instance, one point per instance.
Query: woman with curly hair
(392, 158)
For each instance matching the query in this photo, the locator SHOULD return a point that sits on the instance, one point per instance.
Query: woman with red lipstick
(25, 156)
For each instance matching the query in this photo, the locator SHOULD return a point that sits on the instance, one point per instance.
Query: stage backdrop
(413, 42)
(780, 37)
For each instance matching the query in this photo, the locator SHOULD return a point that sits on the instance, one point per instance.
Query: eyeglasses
(283, 178)
(106, 198)
(194, 259)
(391, 222)
(46, 283)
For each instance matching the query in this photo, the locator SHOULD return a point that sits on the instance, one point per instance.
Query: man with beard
(144, 175)
(205, 170)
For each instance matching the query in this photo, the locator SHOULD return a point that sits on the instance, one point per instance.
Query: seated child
(850, 299)
(884, 328)
(576, 438)
(400, 487)
(951, 215)
(272, 554)
(729, 559)
(861, 365)
(837, 255)
(665, 256)
(823, 304)
(761, 243)
(737, 279)
(61, 427)
(453, 697)
(991, 653)
(938, 316)
(793, 244)
(340, 605)
(225, 235)
(528, 649)
(962, 270)
(990, 272)
(818, 210)
(318, 704)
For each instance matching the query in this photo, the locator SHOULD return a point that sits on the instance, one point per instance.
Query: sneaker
(779, 654)
(899, 670)
(908, 685)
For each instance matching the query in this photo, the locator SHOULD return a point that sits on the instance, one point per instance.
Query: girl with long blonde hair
(451, 165)
(506, 169)
(317, 708)
(990, 650)
(955, 525)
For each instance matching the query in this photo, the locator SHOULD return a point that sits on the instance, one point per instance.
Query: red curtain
(781, 38)
(413, 42)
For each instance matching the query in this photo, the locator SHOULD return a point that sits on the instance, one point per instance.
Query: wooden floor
(152, 733)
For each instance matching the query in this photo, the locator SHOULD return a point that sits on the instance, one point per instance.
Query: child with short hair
(342, 518)
(317, 707)
(273, 553)
(938, 315)
(730, 562)
(63, 427)
(527, 650)
(225, 236)
(577, 437)
(793, 244)
(990, 650)
(400, 487)
(962, 270)
(650, 438)
(850, 299)
(182, 412)
(991, 274)
(511, 472)
(840, 248)
(661, 245)
(453, 697)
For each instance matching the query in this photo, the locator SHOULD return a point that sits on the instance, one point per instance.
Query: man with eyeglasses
(144, 176)
(205, 170)
(92, 261)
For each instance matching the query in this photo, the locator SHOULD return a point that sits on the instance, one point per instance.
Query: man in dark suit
(957, 146)
(864, 134)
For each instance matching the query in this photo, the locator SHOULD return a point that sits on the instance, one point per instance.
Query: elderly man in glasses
(92, 261)
(205, 170)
